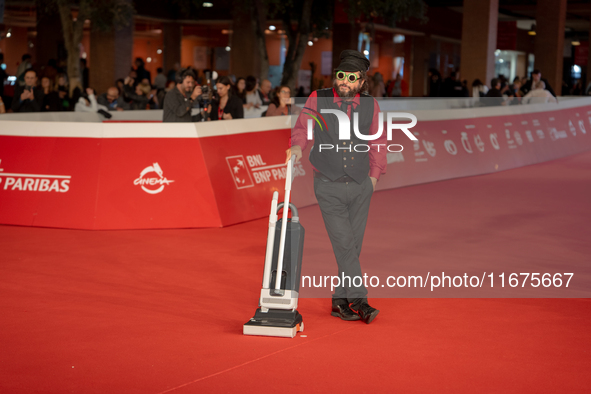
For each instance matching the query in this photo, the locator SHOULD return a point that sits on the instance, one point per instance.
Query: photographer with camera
(179, 101)
(28, 98)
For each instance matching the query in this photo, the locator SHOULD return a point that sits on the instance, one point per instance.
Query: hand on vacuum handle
(289, 175)
(288, 179)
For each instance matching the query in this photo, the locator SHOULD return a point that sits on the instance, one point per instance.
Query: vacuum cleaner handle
(290, 175)
(288, 181)
(270, 241)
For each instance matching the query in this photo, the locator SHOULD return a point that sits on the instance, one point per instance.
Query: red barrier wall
(124, 176)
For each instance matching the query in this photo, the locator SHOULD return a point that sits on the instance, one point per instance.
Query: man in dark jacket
(179, 101)
(536, 76)
(494, 96)
(452, 86)
(3, 75)
(141, 71)
(28, 98)
(112, 101)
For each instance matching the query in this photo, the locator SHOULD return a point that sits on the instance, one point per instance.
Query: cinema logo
(345, 129)
(152, 179)
(34, 182)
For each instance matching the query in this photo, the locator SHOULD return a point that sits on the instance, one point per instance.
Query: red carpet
(162, 311)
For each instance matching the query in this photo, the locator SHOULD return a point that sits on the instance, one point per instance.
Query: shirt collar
(338, 99)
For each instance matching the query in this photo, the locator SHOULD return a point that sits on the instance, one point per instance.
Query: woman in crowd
(240, 89)
(226, 105)
(120, 83)
(63, 90)
(281, 103)
(514, 88)
(138, 96)
(51, 99)
(253, 100)
(162, 93)
(479, 89)
(378, 88)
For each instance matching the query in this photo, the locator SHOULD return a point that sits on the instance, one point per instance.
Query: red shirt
(377, 159)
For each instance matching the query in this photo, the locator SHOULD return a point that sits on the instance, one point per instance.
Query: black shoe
(366, 312)
(344, 312)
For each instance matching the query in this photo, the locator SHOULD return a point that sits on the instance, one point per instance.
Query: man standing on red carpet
(347, 165)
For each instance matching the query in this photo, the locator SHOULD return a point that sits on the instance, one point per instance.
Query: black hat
(352, 60)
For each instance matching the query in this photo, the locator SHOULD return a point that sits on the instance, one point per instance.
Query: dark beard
(345, 93)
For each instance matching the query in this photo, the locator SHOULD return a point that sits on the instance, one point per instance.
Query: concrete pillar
(15, 47)
(244, 56)
(479, 40)
(344, 36)
(420, 67)
(49, 36)
(111, 54)
(588, 61)
(549, 45)
(172, 34)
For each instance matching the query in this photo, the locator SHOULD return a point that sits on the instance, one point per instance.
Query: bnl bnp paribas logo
(345, 129)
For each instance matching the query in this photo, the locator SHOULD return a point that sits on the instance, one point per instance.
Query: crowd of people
(520, 90)
(46, 88)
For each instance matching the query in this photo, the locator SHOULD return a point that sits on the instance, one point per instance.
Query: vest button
(345, 166)
(352, 158)
(344, 158)
(344, 143)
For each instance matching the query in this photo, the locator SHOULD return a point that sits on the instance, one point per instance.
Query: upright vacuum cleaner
(277, 314)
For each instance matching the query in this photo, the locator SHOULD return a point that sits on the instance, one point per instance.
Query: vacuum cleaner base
(274, 323)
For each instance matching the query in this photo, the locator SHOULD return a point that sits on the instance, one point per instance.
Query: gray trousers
(344, 207)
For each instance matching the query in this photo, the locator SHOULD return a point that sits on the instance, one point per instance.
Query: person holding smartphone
(28, 98)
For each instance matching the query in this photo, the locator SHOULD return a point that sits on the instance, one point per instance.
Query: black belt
(344, 178)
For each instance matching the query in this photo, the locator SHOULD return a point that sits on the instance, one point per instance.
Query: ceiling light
(207, 4)
(272, 28)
